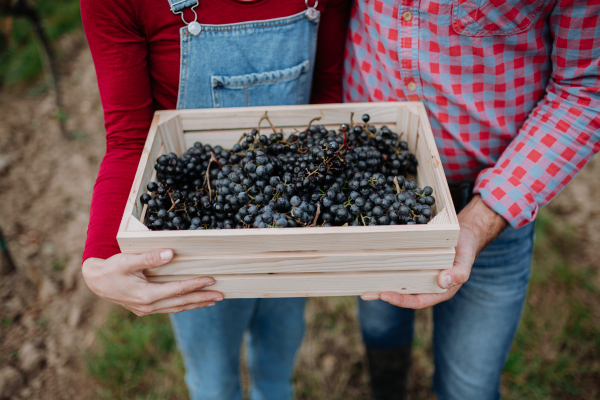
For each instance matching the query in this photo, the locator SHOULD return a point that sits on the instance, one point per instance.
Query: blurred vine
(28, 31)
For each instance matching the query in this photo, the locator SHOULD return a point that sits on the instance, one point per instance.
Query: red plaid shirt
(512, 87)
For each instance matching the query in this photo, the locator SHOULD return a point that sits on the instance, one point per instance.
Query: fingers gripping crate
(308, 261)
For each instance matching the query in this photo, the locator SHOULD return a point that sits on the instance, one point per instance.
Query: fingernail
(370, 297)
(217, 299)
(447, 281)
(210, 304)
(166, 255)
(210, 283)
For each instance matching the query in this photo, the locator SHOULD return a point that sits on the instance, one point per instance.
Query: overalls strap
(178, 5)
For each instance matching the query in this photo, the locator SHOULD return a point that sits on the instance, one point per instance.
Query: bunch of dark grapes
(354, 176)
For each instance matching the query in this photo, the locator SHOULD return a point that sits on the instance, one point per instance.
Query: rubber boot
(389, 372)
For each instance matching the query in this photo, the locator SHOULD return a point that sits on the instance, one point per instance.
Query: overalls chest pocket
(255, 63)
(494, 18)
(281, 87)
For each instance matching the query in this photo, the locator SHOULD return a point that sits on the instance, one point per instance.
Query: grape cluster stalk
(355, 176)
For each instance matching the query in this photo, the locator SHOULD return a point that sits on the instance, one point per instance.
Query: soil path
(46, 183)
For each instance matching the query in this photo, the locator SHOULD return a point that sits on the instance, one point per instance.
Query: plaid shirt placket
(502, 109)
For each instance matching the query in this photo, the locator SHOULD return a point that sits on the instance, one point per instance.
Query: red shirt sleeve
(120, 56)
(327, 80)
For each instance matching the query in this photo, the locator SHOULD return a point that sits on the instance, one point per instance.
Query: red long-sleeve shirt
(135, 47)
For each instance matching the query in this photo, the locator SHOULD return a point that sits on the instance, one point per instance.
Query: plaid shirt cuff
(507, 195)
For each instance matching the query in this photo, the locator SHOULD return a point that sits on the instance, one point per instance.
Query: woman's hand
(120, 279)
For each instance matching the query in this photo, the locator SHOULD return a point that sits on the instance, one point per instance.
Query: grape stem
(352, 119)
(213, 158)
(397, 185)
(310, 123)
(174, 204)
(326, 162)
(266, 117)
(314, 223)
(345, 131)
(316, 171)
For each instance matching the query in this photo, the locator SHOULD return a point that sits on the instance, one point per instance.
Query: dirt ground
(47, 313)
(46, 184)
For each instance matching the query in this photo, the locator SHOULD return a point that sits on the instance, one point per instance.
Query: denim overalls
(255, 63)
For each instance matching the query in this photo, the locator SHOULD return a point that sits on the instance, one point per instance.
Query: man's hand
(121, 279)
(479, 226)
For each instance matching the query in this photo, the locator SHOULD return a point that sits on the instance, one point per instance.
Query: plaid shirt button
(407, 16)
(411, 86)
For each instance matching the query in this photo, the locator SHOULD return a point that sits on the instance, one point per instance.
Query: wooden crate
(290, 262)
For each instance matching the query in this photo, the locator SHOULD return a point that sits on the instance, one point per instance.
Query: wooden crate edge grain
(133, 207)
(284, 116)
(434, 162)
(190, 243)
(308, 261)
(318, 284)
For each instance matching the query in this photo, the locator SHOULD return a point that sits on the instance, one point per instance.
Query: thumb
(461, 269)
(151, 259)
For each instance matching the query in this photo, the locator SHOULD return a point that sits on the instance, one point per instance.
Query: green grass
(21, 54)
(557, 347)
(59, 264)
(556, 353)
(136, 358)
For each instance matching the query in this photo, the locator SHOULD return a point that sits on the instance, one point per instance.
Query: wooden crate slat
(318, 284)
(408, 122)
(153, 179)
(143, 175)
(178, 127)
(441, 218)
(168, 144)
(427, 177)
(284, 116)
(309, 261)
(225, 138)
(433, 159)
(228, 137)
(135, 225)
(171, 132)
(189, 243)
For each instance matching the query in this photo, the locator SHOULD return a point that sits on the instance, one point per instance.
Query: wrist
(91, 266)
(484, 223)
(92, 262)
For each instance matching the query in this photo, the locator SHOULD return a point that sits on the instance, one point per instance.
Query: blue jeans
(210, 339)
(473, 331)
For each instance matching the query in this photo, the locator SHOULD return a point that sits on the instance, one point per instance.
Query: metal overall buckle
(193, 27)
(311, 12)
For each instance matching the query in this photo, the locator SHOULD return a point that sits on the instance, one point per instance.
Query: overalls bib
(256, 63)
